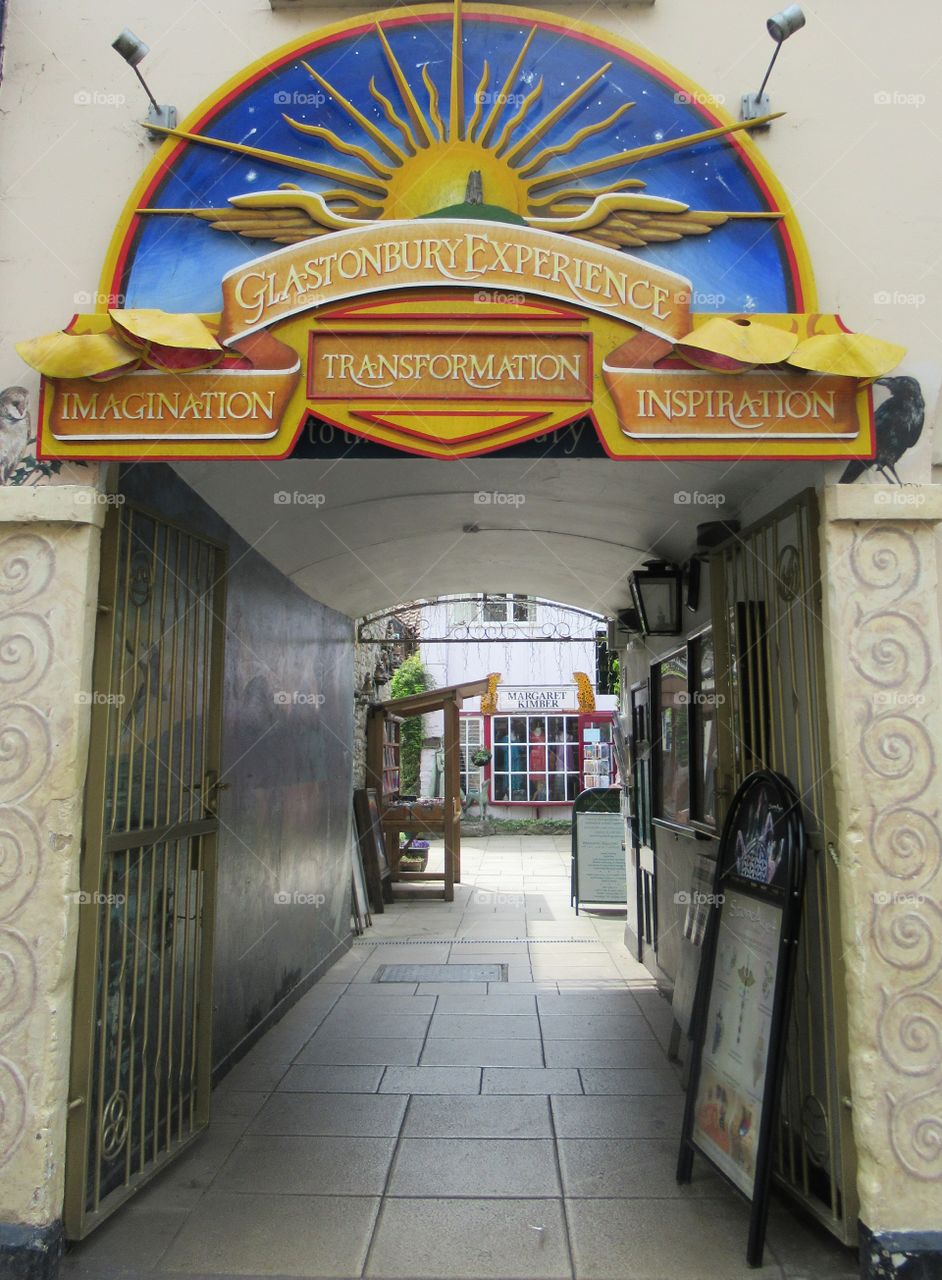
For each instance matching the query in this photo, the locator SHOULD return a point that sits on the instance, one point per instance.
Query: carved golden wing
(286, 216)
(625, 220)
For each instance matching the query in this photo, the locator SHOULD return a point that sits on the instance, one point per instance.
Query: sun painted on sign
(449, 231)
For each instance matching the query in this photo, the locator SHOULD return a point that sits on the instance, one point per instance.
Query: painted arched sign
(450, 231)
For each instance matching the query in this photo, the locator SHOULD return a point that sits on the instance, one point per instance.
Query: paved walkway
(458, 1131)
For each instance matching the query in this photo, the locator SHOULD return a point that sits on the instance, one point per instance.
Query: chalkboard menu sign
(598, 849)
(741, 1011)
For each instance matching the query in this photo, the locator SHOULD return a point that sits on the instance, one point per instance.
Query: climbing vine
(410, 678)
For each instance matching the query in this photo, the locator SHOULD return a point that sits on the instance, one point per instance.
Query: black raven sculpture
(897, 425)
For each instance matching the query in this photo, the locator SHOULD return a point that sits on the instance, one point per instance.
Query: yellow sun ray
(514, 120)
(587, 194)
(369, 128)
(393, 117)
(456, 105)
(542, 127)
(416, 115)
(275, 157)
(503, 97)
(564, 148)
(592, 167)
(345, 148)
(479, 100)
(433, 110)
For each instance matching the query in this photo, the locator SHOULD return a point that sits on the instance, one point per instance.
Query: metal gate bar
(769, 652)
(141, 1039)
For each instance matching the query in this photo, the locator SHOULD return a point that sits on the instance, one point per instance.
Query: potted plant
(414, 856)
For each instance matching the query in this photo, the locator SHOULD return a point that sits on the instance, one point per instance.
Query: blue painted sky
(177, 263)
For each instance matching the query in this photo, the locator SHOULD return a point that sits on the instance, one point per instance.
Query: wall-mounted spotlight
(134, 51)
(656, 592)
(780, 27)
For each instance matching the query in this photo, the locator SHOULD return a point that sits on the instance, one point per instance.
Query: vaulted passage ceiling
(361, 535)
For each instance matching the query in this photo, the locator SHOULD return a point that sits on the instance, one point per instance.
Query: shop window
(470, 739)
(686, 755)
(535, 759)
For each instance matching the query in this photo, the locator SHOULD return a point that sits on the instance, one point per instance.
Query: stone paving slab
(438, 1116)
(524, 1080)
(479, 1052)
(474, 1167)
(324, 1114)
(421, 1080)
(447, 1239)
(291, 1235)
(318, 1166)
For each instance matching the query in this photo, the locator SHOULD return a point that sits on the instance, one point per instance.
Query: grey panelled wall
(286, 755)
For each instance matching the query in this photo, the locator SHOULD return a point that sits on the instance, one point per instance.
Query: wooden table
(424, 829)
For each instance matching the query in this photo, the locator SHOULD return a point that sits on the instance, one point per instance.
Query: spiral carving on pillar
(27, 570)
(891, 639)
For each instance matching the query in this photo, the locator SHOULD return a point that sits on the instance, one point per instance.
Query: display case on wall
(597, 747)
(685, 752)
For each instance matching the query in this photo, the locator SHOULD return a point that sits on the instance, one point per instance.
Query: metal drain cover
(441, 973)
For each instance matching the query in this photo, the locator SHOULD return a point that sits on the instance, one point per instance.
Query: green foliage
(409, 679)
(616, 677)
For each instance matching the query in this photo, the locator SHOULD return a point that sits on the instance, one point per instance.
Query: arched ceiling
(367, 535)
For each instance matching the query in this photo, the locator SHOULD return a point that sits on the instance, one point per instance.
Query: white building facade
(547, 718)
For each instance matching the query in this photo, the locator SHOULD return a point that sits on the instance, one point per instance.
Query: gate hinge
(75, 1103)
(833, 854)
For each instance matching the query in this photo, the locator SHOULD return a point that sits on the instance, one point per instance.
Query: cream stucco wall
(48, 588)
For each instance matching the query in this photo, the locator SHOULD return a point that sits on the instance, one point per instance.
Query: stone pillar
(49, 543)
(880, 565)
